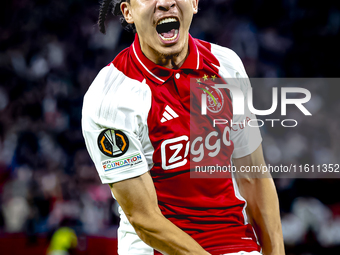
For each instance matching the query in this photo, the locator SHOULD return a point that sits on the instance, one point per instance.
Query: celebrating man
(136, 124)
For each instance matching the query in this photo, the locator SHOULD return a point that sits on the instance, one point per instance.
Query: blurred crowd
(50, 52)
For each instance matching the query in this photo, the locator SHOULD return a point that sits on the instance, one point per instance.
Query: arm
(263, 206)
(137, 197)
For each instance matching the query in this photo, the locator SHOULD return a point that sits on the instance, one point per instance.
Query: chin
(171, 51)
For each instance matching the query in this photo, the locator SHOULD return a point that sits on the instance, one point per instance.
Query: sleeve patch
(132, 160)
(113, 143)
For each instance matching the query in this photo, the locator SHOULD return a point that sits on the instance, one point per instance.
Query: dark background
(50, 51)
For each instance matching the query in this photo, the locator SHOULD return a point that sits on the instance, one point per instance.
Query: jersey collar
(159, 74)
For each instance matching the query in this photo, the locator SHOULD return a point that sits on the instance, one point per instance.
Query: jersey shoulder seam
(224, 53)
(113, 80)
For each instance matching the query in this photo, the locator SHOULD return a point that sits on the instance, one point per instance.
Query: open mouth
(168, 29)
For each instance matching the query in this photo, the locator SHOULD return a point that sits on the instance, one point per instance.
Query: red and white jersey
(136, 118)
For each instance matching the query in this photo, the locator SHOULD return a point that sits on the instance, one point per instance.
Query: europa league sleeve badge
(113, 143)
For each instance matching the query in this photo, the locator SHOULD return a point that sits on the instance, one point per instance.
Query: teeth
(167, 20)
(170, 39)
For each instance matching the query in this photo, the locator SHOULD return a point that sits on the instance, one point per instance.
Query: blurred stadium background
(50, 51)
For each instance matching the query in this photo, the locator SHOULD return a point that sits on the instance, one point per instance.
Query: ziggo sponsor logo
(110, 165)
(174, 151)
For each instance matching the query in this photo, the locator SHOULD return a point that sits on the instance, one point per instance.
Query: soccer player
(136, 125)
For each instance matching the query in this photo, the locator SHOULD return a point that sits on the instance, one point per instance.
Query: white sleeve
(114, 125)
(246, 139)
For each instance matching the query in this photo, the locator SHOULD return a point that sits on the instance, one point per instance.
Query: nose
(165, 5)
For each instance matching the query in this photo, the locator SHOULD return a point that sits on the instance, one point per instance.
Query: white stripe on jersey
(134, 51)
(198, 59)
(172, 112)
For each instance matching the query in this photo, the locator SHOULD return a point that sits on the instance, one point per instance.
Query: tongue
(169, 34)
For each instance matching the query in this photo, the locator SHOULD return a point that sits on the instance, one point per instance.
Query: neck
(173, 60)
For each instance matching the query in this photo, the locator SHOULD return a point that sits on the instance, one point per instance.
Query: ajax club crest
(214, 96)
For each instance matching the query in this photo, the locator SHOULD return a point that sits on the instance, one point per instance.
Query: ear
(195, 6)
(126, 11)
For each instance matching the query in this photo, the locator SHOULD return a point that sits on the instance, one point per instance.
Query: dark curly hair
(114, 6)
